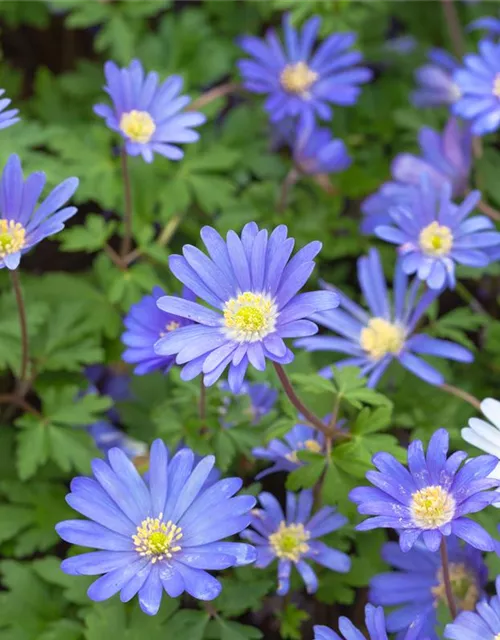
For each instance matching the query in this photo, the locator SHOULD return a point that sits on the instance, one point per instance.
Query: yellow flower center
(381, 337)
(463, 585)
(289, 542)
(308, 445)
(157, 540)
(298, 78)
(496, 92)
(250, 317)
(436, 240)
(139, 126)
(171, 326)
(12, 237)
(432, 507)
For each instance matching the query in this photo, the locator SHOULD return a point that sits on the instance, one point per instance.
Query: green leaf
(291, 622)
(228, 630)
(305, 476)
(91, 237)
(188, 623)
(240, 596)
(369, 421)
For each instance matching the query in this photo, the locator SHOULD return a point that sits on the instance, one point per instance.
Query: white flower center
(12, 237)
(381, 337)
(157, 540)
(436, 240)
(432, 507)
(298, 78)
(289, 542)
(250, 317)
(138, 126)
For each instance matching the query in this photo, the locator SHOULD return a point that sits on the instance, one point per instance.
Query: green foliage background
(52, 59)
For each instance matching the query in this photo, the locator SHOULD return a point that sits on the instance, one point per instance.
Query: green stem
(463, 395)
(127, 214)
(447, 580)
(16, 284)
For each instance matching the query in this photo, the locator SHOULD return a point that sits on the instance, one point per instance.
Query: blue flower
(155, 536)
(147, 115)
(315, 151)
(262, 399)
(479, 82)
(7, 118)
(284, 453)
(293, 539)
(23, 224)
(298, 80)
(436, 83)
(253, 285)
(145, 324)
(482, 624)
(418, 588)
(433, 234)
(431, 499)
(445, 157)
(372, 340)
(375, 624)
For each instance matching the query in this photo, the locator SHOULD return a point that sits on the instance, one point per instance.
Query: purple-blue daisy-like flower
(315, 151)
(298, 80)
(145, 324)
(24, 223)
(375, 625)
(106, 437)
(283, 453)
(417, 588)
(292, 539)
(431, 499)
(481, 624)
(372, 340)
(436, 84)
(147, 114)
(253, 285)
(162, 534)
(9, 117)
(433, 234)
(479, 83)
(445, 157)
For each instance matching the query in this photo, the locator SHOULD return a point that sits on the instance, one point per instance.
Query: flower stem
(127, 192)
(454, 27)
(16, 284)
(298, 404)
(202, 403)
(211, 95)
(488, 210)
(463, 395)
(446, 579)
(290, 179)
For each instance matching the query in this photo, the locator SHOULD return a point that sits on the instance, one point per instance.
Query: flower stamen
(250, 317)
(157, 540)
(12, 237)
(289, 542)
(308, 445)
(381, 337)
(138, 126)
(432, 507)
(298, 78)
(463, 585)
(436, 240)
(496, 89)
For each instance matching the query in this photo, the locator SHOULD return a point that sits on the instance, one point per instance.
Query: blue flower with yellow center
(252, 285)
(431, 499)
(148, 115)
(433, 234)
(292, 539)
(298, 80)
(157, 534)
(373, 339)
(417, 587)
(145, 324)
(24, 222)
(283, 453)
(436, 85)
